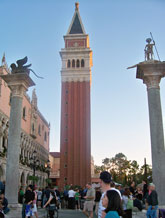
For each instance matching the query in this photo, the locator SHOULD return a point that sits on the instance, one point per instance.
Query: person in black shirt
(152, 201)
(51, 204)
(27, 206)
(132, 188)
(97, 200)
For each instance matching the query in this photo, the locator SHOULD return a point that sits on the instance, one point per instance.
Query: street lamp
(34, 163)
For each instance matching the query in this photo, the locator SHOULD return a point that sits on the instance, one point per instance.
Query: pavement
(70, 214)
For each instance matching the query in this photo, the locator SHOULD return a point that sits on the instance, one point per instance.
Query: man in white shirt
(71, 199)
(105, 179)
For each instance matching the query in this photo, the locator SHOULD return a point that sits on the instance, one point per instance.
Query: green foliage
(33, 178)
(124, 171)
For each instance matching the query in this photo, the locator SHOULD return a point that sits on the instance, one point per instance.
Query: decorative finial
(76, 6)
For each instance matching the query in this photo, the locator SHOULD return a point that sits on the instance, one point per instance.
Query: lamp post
(34, 162)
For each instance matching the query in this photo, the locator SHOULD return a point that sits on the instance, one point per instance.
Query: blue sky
(117, 31)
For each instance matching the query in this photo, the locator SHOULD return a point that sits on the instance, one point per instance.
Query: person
(71, 199)
(51, 203)
(105, 179)
(152, 201)
(145, 190)
(125, 201)
(2, 187)
(28, 203)
(112, 202)
(39, 197)
(89, 201)
(4, 203)
(77, 199)
(1, 209)
(97, 200)
(34, 209)
(132, 188)
(20, 195)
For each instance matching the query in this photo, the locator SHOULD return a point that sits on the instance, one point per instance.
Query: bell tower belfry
(75, 144)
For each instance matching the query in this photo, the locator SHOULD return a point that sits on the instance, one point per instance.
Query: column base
(15, 211)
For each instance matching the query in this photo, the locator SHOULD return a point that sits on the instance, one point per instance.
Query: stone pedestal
(151, 73)
(18, 84)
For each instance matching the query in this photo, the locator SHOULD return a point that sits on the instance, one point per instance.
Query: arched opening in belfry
(73, 63)
(22, 179)
(82, 63)
(78, 63)
(68, 64)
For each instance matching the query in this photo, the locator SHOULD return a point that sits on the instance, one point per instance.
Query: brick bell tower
(75, 145)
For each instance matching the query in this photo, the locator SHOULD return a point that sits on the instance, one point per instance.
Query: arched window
(82, 63)
(77, 63)
(39, 130)
(73, 63)
(45, 137)
(68, 64)
(24, 113)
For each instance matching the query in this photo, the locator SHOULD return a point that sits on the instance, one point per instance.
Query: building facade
(34, 135)
(75, 144)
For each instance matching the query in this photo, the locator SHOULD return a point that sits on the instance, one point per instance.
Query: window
(66, 140)
(65, 179)
(66, 102)
(24, 113)
(10, 99)
(33, 127)
(66, 91)
(78, 63)
(68, 64)
(45, 137)
(73, 63)
(82, 63)
(39, 130)
(65, 165)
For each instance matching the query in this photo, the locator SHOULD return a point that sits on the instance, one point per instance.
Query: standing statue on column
(149, 50)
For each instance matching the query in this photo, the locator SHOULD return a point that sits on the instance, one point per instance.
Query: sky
(117, 30)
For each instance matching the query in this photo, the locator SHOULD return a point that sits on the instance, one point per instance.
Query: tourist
(77, 199)
(4, 203)
(2, 187)
(152, 201)
(145, 190)
(127, 203)
(105, 179)
(112, 202)
(34, 208)
(20, 195)
(71, 198)
(51, 203)
(97, 200)
(1, 209)
(39, 197)
(27, 206)
(89, 201)
(132, 188)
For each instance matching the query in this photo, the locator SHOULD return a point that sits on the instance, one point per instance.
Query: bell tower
(75, 144)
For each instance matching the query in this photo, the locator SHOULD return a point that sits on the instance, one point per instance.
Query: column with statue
(151, 71)
(18, 81)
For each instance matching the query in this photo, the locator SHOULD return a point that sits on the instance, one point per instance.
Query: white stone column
(151, 73)
(18, 84)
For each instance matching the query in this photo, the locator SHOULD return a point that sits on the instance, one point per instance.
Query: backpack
(130, 204)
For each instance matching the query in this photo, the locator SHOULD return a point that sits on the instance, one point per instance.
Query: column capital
(152, 81)
(18, 83)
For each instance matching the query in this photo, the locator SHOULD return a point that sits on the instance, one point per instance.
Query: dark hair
(105, 176)
(127, 192)
(114, 202)
(31, 187)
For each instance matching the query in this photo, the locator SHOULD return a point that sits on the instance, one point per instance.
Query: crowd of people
(110, 200)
